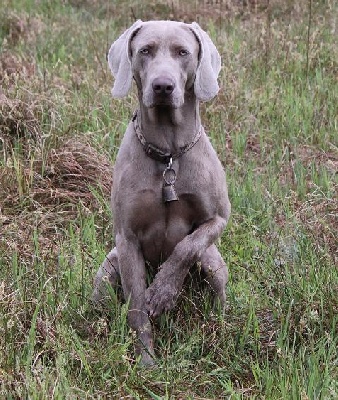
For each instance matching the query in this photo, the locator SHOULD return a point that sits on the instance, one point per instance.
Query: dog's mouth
(164, 101)
(164, 106)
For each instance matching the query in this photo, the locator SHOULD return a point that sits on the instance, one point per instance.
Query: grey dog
(169, 197)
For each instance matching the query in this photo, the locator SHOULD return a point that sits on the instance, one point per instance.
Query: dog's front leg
(133, 279)
(162, 293)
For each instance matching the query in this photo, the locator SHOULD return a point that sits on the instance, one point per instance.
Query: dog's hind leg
(216, 273)
(108, 273)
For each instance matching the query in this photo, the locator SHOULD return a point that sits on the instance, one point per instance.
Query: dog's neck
(170, 128)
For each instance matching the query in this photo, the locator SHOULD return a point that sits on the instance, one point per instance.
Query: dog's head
(167, 59)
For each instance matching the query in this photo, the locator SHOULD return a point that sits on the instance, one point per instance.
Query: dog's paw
(160, 297)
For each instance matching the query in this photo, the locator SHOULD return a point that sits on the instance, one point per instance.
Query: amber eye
(183, 52)
(145, 51)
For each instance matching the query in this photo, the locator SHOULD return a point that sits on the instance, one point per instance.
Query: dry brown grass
(320, 216)
(69, 174)
(64, 175)
(21, 27)
(202, 11)
(45, 178)
(53, 191)
(41, 188)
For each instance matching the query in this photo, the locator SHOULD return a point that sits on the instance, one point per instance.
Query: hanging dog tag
(168, 191)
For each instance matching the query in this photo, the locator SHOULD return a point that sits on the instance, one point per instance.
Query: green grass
(275, 128)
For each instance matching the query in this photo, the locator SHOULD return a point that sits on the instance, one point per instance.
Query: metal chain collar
(155, 152)
(169, 175)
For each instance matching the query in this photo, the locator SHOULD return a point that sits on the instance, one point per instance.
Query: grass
(274, 125)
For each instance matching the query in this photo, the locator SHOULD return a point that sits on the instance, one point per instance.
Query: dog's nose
(163, 86)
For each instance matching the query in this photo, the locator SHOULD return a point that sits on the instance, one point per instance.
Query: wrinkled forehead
(165, 33)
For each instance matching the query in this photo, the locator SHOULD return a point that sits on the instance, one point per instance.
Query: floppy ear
(206, 85)
(120, 63)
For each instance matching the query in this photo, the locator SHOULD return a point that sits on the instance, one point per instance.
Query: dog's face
(164, 62)
(167, 59)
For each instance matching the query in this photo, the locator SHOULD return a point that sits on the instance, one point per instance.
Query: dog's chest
(139, 204)
(159, 226)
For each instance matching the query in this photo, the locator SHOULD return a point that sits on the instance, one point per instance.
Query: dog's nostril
(169, 89)
(163, 86)
(157, 88)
